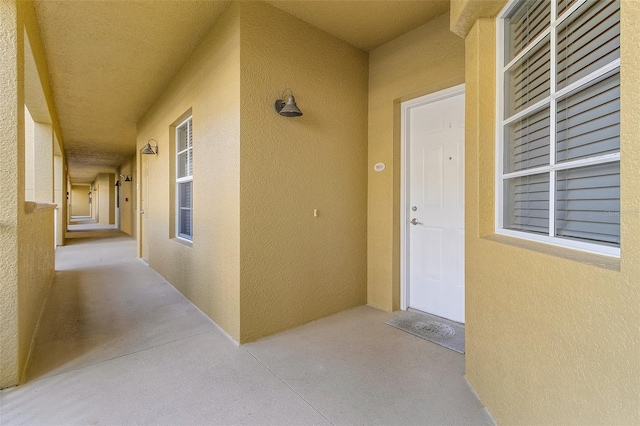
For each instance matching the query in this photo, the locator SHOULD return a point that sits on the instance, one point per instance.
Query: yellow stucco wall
(425, 60)
(463, 13)
(127, 196)
(260, 262)
(59, 198)
(95, 200)
(294, 267)
(206, 272)
(552, 335)
(35, 272)
(79, 200)
(104, 198)
(26, 258)
(11, 138)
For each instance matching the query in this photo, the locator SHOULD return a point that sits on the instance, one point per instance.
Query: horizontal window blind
(564, 5)
(190, 150)
(588, 40)
(588, 203)
(185, 151)
(185, 201)
(526, 22)
(559, 175)
(527, 203)
(529, 80)
(527, 141)
(589, 121)
(184, 179)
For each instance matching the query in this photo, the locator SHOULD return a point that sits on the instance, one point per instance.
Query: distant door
(434, 140)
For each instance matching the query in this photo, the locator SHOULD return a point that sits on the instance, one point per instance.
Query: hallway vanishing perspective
(119, 345)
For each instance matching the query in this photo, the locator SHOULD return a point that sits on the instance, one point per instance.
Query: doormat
(441, 331)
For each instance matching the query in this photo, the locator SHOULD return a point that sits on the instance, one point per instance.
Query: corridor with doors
(117, 344)
(184, 242)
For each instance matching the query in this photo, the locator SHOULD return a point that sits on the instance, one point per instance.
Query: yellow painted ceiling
(110, 60)
(362, 23)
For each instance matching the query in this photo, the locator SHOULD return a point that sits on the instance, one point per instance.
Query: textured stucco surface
(294, 267)
(550, 339)
(260, 262)
(207, 272)
(463, 13)
(59, 198)
(26, 258)
(105, 197)
(364, 25)
(95, 200)
(109, 61)
(43, 164)
(35, 271)
(12, 113)
(127, 196)
(79, 200)
(29, 155)
(425, 60)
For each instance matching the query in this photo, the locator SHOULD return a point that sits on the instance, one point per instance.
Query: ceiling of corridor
(110, 60)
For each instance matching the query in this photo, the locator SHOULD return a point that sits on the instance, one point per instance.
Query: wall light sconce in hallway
(127, 178)
(117, 183)
(151, 150)
(288, 108)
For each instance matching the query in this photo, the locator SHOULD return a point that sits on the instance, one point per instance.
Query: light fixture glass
(288, 108)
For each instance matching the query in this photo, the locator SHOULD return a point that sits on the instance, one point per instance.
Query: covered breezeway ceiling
(110, 60)
(362, 23)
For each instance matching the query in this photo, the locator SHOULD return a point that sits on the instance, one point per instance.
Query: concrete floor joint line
(103, 361)
(289, 386)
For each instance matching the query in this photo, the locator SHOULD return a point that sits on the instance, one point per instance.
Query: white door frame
(404, 182)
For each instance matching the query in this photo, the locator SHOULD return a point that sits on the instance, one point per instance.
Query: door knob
(414, 221)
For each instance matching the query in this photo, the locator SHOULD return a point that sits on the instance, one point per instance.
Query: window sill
(182, 241)
(610, 263)
(34, 206)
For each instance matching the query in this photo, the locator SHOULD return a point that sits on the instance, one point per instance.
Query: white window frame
(500, 176)
(189, 150)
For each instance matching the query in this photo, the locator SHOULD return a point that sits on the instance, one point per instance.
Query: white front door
(434, 199)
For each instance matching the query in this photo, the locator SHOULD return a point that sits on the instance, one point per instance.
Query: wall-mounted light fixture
(288, 108)
(126, 178)
(148, 149)
(117, 183)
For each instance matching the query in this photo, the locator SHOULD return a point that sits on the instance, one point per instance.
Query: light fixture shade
(117, 183)
(290, 109)
(148, 149)
(127, 179)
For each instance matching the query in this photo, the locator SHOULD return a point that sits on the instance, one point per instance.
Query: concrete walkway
(118, 345)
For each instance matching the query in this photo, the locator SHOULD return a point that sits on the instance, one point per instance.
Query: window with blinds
(184, 180)
(558, 178)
